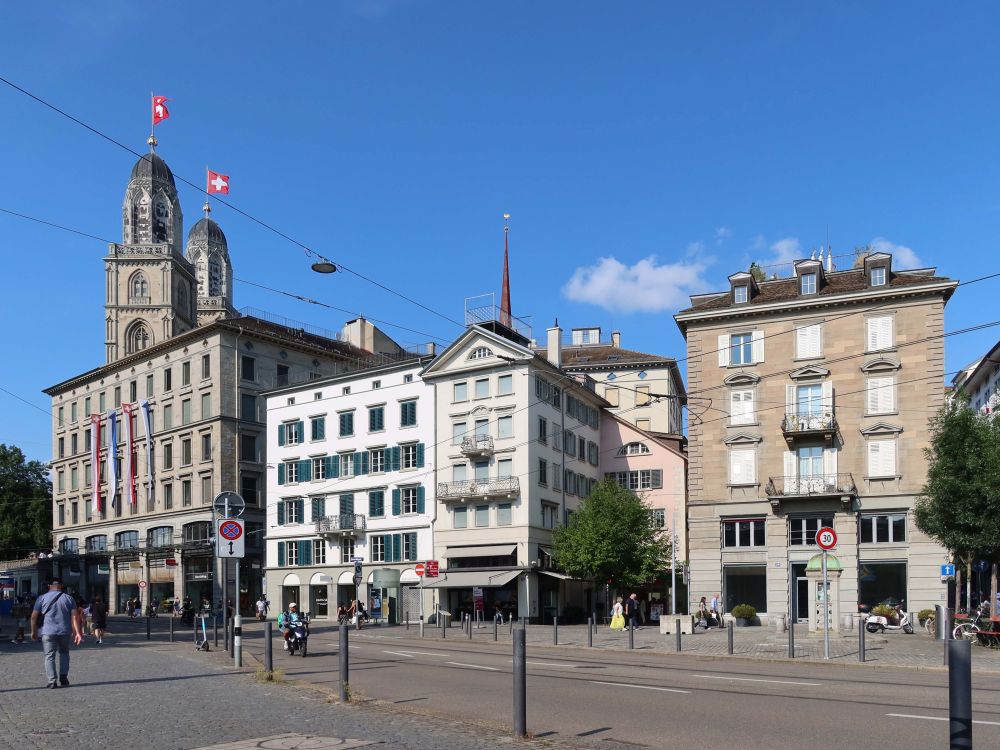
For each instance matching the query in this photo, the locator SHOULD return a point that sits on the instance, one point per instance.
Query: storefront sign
(170, 562)
(200, 577)
(431, 569)
(477, 597)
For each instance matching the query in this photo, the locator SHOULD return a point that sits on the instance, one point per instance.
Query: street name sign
(431, 568)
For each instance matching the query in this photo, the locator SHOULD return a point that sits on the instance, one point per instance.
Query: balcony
(345, 524)
(822, 425)
(477, 445)
(478, 489)
(820, 486)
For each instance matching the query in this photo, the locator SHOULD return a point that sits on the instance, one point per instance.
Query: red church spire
(505, 316)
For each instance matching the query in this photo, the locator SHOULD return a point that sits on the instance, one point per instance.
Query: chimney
(431, 348)
(616, 339)
(554, 348)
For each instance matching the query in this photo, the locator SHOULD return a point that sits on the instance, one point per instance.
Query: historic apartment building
(823, 385)
(174, 340)
(980, 382)
(351, 479)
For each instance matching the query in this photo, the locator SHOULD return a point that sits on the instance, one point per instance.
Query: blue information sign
(981, 566)
(947, 570)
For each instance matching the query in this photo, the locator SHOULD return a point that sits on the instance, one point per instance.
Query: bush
(925, 614)
(744, 612)
(884, 610)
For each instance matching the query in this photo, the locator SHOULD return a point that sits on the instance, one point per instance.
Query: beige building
(822, 386)
(174, 340)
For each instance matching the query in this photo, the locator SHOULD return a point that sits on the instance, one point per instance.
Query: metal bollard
(520, 685)
(238, 641)
(268, 649)
(496, 628)
(171, 629)
(590, 632)
(216, 621)
(345, 692)
(677, 634)
(195, 629)
(147, 627)
(791, 638)
(407, 619)
(226, 635)
(444, 629)
(960, 694)
(555, 631)
(861, 641)
(631, 639)
(729, 637)
(470, 627)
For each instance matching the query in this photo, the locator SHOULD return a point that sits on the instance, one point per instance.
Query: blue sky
(644, 150)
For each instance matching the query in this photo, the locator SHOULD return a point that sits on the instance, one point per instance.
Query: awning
(466, 579)
(557, 574)
(495, 550)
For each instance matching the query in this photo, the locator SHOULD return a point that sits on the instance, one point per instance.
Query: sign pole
(826, 611)
(422, 603)
(673, 564)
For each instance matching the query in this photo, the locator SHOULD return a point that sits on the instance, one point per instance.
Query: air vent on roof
(583, 359)
(613, 358)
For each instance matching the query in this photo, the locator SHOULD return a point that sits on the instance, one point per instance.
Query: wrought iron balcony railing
(341, 523)
(477, 445)
(821, 421)
(811, 486)
(478, 488)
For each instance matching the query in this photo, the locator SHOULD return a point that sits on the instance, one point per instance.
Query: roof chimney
(616, 339)
(554, 349)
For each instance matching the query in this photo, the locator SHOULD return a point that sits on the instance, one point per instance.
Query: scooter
(299, 636)
(879, 624)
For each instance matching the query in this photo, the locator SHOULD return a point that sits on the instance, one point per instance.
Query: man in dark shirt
(632, 611)
(61, 617)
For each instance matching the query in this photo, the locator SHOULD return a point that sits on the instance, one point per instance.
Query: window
(503, 514)
(318, 396)
(133, 392)
(168, 496)
(543, 430)
(742, 466)
(569, 443)
(376, 418)
(126, 540)
(168, 416)
(346, 464)
(248, 489)
(185, 373)
(638, 479)
(319, 552)
(505, 468)
(409, 456)
(186, 411)
(634, 449)
(376, 503)
(483, 388)
(880, 396)
(808, 283)
(248, 368)
(74, 481)
(346, 419)
(505, 427)
(543, 471)
(881, 458)
(317, 428)
(887, 529)
(505, 385)
(410, 546)
(593, 453)
(408, 498)
(376, 384)
(346, 550)
(659, 518)
(878, 581)
(743, 533)
(281, 375)
(740, 294)
(74, 518)
(408, 378)
(186, 452)
(345, 391)
(809, 400)
(168, 456)
(62, 514)
(802, 531)
(292, 510)
(458, 430)
(481, 352)
(206, 405)
(319, 468)
(168, 381)
(611, 394)
(642, 395)
(206, 366)
(97, 543)
(62, 414)
(248, 407)
(118, 395)
(581, 448)
(408, 413)
(149, 386)
(877, 277)
(186, 493)
(549, 515)
(879, 333)
(556, 477)
(161, 536)
(293, 433)
(102, 402)
(741, 348)
(376, 459)
(206, 447)
(809, 341)
(461, 391)
(482, 515)
(62, 447)
(376, 546)
(291, 552)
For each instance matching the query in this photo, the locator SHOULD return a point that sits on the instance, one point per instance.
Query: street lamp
(324, 266)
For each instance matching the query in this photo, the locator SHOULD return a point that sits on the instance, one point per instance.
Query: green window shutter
(328, 466)
(357, 463)
(305, 552)
(333, 468)
(420, 499)
(301, 509)
(301, 431)
(372, 509)
(395, 452)
(364, 462)
(318, 428)
(413, 545)
(281, 473)
(347, 504)
(281, 434)
(396, 504)
(281, 550)
(281, 515)
(305, 470)
(420, 455)
(318, 508)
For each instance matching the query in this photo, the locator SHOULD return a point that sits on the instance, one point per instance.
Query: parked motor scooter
(879, 624)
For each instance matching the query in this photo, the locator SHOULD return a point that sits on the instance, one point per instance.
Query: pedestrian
(715, 609)
(632, 611)
(55, 619)
(498, 614)
(155, 607)
(99, 618)
(261, 608)
(703, 613)
(178, 603)
(642, 611)
(617, 616)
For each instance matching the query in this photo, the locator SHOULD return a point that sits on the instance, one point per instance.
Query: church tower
(208, 253)
(149, 286)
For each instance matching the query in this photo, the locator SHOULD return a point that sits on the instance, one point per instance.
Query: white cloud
(646, 286)
(903, 257)
(783, 252)
(722, 234)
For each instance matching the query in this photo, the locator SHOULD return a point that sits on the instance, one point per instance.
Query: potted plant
(744, 615)
(884, 610)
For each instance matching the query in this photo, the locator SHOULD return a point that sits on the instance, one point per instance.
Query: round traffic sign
(231, 531)
(826, 538)
(419, 569)
(229, 504)
(142, 584)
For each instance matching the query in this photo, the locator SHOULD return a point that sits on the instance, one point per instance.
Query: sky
(645, 151)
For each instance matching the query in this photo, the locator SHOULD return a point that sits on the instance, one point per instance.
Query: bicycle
(969, 630)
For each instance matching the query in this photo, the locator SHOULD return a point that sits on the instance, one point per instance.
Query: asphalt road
(649, 699)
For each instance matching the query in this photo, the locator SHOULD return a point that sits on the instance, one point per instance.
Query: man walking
(714, 609)
(632, 611)
(55, 617)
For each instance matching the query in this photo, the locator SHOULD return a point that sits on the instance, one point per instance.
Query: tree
(757, 272)
(959, 505)
(860, 253)
(612, 537)
(25, 504)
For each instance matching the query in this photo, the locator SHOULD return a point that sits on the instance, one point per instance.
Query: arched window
(481, 352)
(161, 536)
(214, 276)
(97, 543)
(68, 546)
(137, 338)
(634, 449)
(138, 288)
(197, 532)
(126, 540)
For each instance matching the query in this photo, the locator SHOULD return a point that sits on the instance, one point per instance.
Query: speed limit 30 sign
(826, 538)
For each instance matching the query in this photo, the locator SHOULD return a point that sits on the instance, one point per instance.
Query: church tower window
(138, 338)
(139, 288)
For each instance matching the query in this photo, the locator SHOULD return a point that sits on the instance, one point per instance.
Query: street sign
(947, 571)
(229, 539)
(142, 584)
(357, 572)
(419, 569)
(431, 568)
(229, 505)
(981, 566)
(170, 562)
(826, 538)
(477, 598)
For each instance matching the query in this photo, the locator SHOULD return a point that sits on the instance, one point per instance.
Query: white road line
(399, 653)
(549, 664)
(639, 687)
(471, 666)
(754, 679)
(940, 718)
(423, 653)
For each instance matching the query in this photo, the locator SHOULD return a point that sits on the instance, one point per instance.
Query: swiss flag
(160, 112)
(217, 183)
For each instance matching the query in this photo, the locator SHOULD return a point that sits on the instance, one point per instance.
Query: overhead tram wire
(230, 205)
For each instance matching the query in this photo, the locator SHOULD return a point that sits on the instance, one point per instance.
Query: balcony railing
(477, 445)
(809, 425)
(344, 523)
(478, 488)
(821, 485)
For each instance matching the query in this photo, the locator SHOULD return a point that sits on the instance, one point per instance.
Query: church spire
(505, 316)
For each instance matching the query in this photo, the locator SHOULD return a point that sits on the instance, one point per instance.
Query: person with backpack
(55, 619)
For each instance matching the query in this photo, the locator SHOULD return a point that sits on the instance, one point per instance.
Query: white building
(980, 381)
(351, 477)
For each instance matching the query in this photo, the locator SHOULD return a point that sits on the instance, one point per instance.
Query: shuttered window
(879, 333)
(880, 396)
(809, 341)
(882, 458)
(741, 409)
(742, 466)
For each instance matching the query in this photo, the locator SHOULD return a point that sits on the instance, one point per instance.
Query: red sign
(419, 569)
(826, 538)
(170, 562)
(142, 584)
(431, 568)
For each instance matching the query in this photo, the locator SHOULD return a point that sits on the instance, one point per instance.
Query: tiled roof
(603, 356)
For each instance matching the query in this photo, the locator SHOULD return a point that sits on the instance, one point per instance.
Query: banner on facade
(95, 462)
(112, 455)
(147, 425)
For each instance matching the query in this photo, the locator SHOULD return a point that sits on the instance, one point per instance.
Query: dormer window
(740, 294)
(877, 277)
(808, 283)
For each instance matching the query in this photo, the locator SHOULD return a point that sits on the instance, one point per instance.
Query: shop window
(880, 582)
(885, 529)
(743, 533)
(802, 531)
(745, 584)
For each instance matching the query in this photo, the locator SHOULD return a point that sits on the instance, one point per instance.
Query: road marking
(639, 687)
(423, 653)
(399, 653)
(753, 679)
(471, 666)
(549, 664)
(940, 718)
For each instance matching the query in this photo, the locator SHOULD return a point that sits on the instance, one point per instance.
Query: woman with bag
(618, 615)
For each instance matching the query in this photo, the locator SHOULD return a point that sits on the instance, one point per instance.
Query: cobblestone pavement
(132, 693)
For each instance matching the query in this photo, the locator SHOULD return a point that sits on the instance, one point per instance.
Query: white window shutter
(723, 350)
(827, 397)
(790, 400)
(735, 407)
(871, 396)
(748, 408)
(801, 342)
(871, 334)
(874, 456)
(757, 339)
(741, 466)
(888, 458)
(791, 471)
(830, 464)
(816, 339)
(888, 395)
(879, 333)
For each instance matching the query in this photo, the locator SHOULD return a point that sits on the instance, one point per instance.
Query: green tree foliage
(612, 537)
(757, 272)
(860, 253)
(25, 504)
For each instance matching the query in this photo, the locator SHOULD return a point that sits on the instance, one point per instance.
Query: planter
(742, 622)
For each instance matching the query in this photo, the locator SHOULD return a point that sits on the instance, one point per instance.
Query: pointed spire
(505, 316)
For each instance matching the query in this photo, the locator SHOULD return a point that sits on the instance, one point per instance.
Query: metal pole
(227, 634)
(631, 639)
(345, 694)
(677, 633)
(216, 621)
(147, 627)
(171, 629)
(729, 637)
(470, 627)
(555, 630)
(520, 685)
(195, 621)
(496, 629)
(268, 649)
(590, 632)
(791, 637)
(861, 640)
(960, 694)
(441, 617)
(238, 640)
(826, 611)
(407, 619)
(673, 564)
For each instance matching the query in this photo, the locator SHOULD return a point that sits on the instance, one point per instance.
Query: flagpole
(152, 115)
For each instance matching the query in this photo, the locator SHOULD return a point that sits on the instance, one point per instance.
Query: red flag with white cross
(217, 183)
(160, 111)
